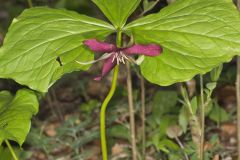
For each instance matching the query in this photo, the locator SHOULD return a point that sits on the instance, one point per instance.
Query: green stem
(106, 101)
(30, 4)
(119, 38)
(103, 111)
(11, 150)
(202, 119)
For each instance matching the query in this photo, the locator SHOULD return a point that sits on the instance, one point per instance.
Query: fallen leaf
(117, 149)
(174, 131)
(216, 157)
(229, 129)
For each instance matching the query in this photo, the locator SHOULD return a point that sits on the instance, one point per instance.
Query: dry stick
(238, 96)
(202, 119)
(238, 104)
(143, 116)
(182, 147)
(30, 4)
(131, 112)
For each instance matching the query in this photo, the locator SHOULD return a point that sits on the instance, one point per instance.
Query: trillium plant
(186, 38)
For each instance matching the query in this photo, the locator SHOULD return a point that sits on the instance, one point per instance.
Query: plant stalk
(143, 116)
(103, 112)
(30, 4)
(106, 101)
(131, 112)
(238, 96)
(202, 119)
(11, 150)
(238, 104)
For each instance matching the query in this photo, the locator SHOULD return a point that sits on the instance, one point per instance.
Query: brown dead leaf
(191, 86)
(229, 129)
(50, 129)
(117, 149)
(174, 131)
(207, 146)
(227, 96)
(216, 157)
(96, 89)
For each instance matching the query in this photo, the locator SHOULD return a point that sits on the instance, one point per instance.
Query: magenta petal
(107, 67)
(147, 50)
(100, 47)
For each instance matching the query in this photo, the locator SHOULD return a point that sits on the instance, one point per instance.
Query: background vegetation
(67, 125)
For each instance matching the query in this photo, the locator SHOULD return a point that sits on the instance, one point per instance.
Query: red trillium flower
(114, 56)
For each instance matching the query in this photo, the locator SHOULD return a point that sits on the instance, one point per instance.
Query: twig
(30, 4)
(202, 119)
(186, 99)
(182, 147)
(131, 112)
(143, 116)
(238, 96)
(238, 102)
(57, 105)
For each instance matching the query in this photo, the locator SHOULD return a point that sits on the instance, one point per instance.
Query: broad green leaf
(196, 35)
(5, 153)
(5, 98)
(117, 11)
(15, 116)
(42, 44)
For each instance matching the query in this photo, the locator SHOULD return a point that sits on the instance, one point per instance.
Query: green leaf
(196, 36)
(42, 37)
(147, 6)
(15, 115)
(166, 144)
(194, 105)
(164, 102)
(117, 11)
(119, 131)
(183, 119)
(5, 98)
(211, 86)
(218, 114)
(5, 153)
(215, 73)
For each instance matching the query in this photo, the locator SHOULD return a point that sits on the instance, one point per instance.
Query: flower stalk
(103, 113)
(105, 103)
(11, 150)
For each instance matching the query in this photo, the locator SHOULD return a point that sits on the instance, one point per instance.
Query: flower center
(120, 57)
